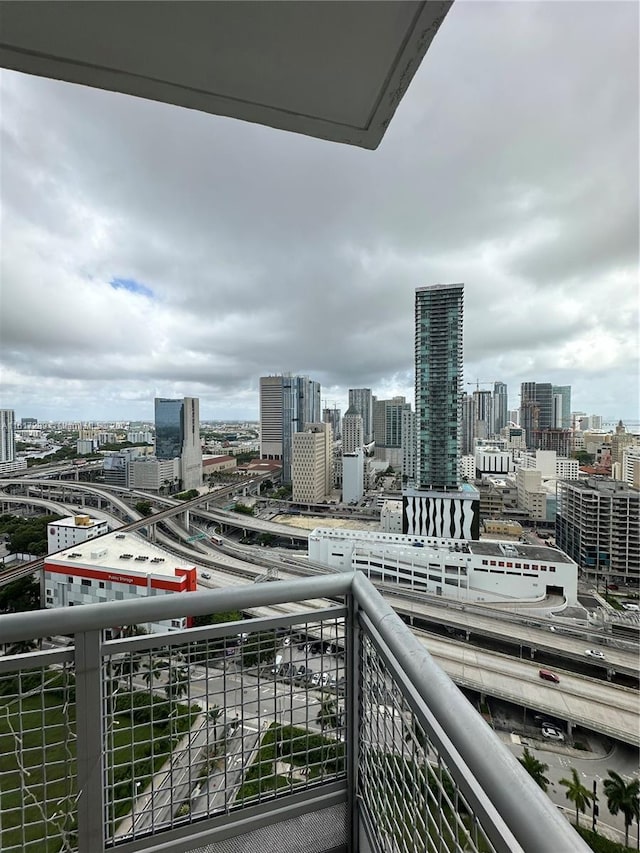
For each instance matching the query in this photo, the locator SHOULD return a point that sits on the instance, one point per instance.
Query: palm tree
(536, 769)
(177, 684)
(328, 716)
(214, 715)
(577, 793)
(623, 797)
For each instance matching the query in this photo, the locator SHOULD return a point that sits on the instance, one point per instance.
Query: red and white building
(117, 567)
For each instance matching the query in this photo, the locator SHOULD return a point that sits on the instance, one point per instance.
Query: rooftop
(489, 548)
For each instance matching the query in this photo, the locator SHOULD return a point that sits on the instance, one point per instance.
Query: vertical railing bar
(352, 706)
(89, 741)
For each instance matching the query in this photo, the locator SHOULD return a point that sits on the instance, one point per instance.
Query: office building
(7, 435)
(178, 436)
(561, 406)
(154, 475)
(28, 423)
(387, 429)
(353, 476)
(312, 464)
(332, 416)
(352, 430)
(67, 532)
(361, 400)
(620, 441)
(630, 467)
(500, 407)
(558, 440)
(484, 419)
(536, 409)
(287, 403)
(438, 378)
(468, 422)
(598, 525)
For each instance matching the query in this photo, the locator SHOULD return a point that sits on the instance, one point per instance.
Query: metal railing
(328, 729)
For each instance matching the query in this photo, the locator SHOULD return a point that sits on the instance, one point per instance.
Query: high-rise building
(598, 526)
(468, 421)
(561, 406)
(352, 431)
(438, 357)
(536, 409)
(500, 407)
(287, 403)
(332, 416)
(7, 435)
(409, 445)
(312, 468)
(178, 436)
(361, 400)
(483, 427)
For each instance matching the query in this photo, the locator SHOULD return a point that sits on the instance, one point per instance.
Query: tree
(623, 797)
(213, 716)
(177, 683)
(20, 595)
(576, 793)
(328, 715)
(144, 508)
(536, 769)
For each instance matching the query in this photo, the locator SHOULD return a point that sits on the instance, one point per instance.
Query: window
(176, 623)
(552, 568)
(534, 567)
(509, 565)
(85, 582)
(518, 566)
(525, 565)
(492, 563)
(101, 584)
(543, 568)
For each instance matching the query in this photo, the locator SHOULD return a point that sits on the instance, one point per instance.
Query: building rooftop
(489, 548)
(80, 520)
(126, 552)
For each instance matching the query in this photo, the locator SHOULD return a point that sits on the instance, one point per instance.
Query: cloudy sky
(149, 250)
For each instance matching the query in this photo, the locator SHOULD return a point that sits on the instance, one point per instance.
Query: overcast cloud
(150, 250)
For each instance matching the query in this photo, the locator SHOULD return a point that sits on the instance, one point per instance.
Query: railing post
(352, 694)
(89, 743)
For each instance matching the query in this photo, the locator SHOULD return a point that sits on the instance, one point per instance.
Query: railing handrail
(527, 811)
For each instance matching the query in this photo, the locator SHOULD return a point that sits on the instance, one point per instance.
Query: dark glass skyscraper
(438, 354)
(287, 403)
(169, 428)
(500, 406)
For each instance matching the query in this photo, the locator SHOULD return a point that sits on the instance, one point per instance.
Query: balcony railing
(327, 727)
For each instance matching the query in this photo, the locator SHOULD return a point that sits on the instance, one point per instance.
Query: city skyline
(263, 252)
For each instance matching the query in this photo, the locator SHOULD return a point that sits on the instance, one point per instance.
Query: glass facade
(169, 428)
(438, 354)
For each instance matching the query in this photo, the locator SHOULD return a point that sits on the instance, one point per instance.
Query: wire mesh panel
(214, 722)
(38, 794)
(409, 795)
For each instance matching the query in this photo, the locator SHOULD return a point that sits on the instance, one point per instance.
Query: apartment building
(312, 474)
(67, 532)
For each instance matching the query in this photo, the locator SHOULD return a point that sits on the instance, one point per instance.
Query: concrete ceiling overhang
(335, 70)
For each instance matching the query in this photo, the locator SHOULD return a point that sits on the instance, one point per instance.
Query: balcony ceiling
(334, 70)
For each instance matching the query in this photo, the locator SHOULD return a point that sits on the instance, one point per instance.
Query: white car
(628, 605)
(552, 733)
(205, 575)
(594, 653)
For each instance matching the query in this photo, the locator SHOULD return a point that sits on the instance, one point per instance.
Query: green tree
(177, 683)
(622, 797)
(144, 508)
(328, 716)
(536, 769)
(576, 793)
(213, 715)
(20, 595)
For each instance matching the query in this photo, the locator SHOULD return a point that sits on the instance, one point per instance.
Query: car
(316, 678)
(629, 605)
(549, 676)
(552, 733)
(286, 641)
(594, 653)
(205, 575)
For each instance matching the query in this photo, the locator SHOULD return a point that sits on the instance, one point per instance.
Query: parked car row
(305, 675)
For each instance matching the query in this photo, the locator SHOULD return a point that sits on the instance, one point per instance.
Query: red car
(549, 676)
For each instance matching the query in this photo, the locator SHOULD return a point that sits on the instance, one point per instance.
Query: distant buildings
(536, 409)
(561, 406)
(598, 525)
(387, 429)
(361, 400)
(332, 416)
(178, 437)
(352, 430)
(287, 403)
(353, 476)
(312, 468)
(500, 407)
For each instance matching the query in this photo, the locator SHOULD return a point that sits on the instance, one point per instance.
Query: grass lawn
(321, 758)
(44, 740)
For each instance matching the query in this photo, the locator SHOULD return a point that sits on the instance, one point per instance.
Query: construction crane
(480, 382)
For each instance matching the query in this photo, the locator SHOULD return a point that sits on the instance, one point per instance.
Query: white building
(454, 568)
(312, 463)
(493, 460)
(352, 476)
(140, 437)
(391, 516)
(85, 446)
(550, 465)
(7, 435)
(152, 474)
(67, 532)
(630, 467)
(119, 567)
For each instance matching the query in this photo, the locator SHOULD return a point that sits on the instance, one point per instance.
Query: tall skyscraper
(362, 401)
(536, 409)
(483, 427)
(332, 416)
(562, 406)
(438, 356)
(500, 407)
(7, 435)
(352, 431)
(178, 436)
(287, 403)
